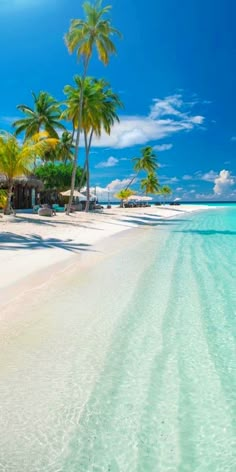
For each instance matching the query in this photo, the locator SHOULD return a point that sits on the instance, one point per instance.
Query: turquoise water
(130, 366)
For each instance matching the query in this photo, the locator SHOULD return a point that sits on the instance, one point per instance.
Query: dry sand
(31, 245)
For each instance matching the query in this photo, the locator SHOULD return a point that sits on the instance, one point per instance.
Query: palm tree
(98, 112)
(45, 115)
(165, 191)
(150, 184)
(124, 194)
(17, 160)
(64, 148)
(84, 35)
(3, 198)
(147, 162)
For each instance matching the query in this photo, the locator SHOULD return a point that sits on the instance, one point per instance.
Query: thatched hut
(26, 190)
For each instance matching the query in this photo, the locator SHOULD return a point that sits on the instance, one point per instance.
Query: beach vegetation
(150, 184)
(165, 191)
(123, 195)
(3, 198)
(17, 160)
(62, 151)
(98, 113)
(95, 31)
(44, 116)
(57, 176)
(147, 162)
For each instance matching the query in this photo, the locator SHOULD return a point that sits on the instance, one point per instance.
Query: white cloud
(209, 176)
(113, 187)
(162, 147)
(167, 116)
(187, 177)
(169, 180)
(223, 182)
(110, 162)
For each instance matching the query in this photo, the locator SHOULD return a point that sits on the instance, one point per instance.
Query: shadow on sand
(14, 242)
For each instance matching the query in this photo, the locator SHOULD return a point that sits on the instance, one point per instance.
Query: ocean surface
(129, 366)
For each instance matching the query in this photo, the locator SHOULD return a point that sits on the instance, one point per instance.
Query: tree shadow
(14, 242)
(47, 222)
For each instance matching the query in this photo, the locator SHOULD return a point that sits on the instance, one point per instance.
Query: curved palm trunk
(131, 181)
(76, 153)
(87, 150)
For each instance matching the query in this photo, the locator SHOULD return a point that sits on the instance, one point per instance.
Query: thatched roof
(31, 181)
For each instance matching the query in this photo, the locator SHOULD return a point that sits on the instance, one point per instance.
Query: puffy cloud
(167, 116)
(113, 187)
(209, 176)
(110, 162)
(223, 182)
(162, 147)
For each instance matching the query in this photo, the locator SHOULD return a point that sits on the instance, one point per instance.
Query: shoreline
(34, 250)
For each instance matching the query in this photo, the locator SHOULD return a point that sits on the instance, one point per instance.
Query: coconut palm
(63, 151)
(17, 160)
(45, 115)
(146, 162)
(95, 31)
(98, 112)
(165, 191)
(3, 198)
(123, 195)
(150, 184)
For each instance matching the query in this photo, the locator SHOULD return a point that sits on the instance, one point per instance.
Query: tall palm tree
(150, 184)
(17, 160)
(45, 115)
(95, 31)
(98, 112)
(146, 162)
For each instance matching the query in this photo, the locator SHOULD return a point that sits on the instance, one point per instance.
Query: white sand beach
(33, 247)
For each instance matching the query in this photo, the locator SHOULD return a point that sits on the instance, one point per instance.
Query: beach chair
(46, 211)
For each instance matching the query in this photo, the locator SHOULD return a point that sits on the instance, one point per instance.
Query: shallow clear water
(130, 366)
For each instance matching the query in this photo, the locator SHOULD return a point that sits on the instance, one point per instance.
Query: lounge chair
(46, 212)
(58, 208)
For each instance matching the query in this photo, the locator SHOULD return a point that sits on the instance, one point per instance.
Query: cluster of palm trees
(146, 163)
(90, 106)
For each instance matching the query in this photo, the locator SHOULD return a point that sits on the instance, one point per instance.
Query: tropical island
(117, 325)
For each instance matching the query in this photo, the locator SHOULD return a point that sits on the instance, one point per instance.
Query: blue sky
(175, 72)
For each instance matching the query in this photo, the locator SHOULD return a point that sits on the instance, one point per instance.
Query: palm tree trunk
(87, 148)
(76, 153)
(131, 181)
(7, 209)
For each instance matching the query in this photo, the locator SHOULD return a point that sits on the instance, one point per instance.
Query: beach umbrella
(76, 194)
(133, 197)
(145, 198)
